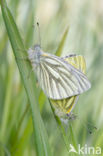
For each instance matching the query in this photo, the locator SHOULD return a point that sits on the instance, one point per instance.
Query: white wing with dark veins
(59, 79)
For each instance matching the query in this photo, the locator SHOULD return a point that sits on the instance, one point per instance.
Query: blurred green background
(85, 37)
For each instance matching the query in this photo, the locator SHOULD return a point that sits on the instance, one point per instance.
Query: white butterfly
(63, 108)
(57, 78)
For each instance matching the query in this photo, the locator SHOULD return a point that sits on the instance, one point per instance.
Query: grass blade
(62, 42)
(40, 135)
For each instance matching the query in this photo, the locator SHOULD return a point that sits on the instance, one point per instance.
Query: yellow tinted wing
(65, 106)
(77, 61)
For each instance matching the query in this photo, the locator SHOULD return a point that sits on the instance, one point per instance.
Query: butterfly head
(34, 54)
(37, 48)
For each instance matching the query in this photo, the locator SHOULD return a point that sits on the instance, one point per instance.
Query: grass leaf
(62, 42)
(40, 135)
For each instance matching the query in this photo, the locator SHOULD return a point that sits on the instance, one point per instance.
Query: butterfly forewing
(59, 79)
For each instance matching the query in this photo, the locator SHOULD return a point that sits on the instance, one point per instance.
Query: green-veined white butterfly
(57, 77)
(65, 106)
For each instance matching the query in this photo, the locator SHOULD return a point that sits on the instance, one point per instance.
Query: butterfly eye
(37, 48)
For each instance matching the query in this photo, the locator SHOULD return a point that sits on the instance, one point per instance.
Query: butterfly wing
(59, 79)
(66, 105)
(77, 61)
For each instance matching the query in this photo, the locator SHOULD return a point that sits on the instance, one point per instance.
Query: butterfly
(58, 78)
(65, 106)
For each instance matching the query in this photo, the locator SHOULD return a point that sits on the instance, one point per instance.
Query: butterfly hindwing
(77, 61)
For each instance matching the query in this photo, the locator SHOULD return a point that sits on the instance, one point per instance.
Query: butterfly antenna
(39, 33)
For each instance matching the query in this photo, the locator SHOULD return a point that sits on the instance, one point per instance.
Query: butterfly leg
(22, 49)
(26, 59)
(22, 58)
(30, 72)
